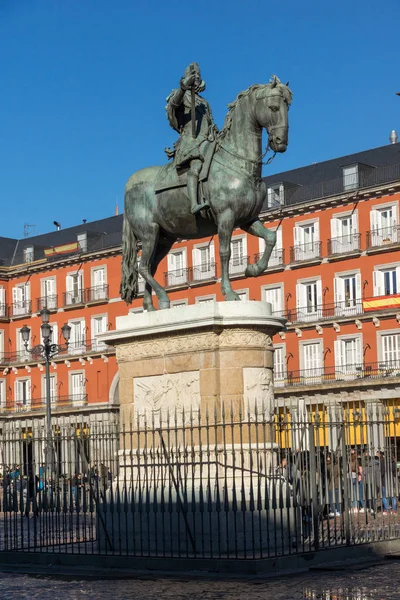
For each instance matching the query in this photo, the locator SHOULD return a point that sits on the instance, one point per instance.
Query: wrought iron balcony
(49, 302)
(19, 309)
(276, 259)
(3, 311)
(203, 272)
(73, 298)
(344, 244)
(383, 237)
(57, 403)
(97, 294)
(237, 266)
(14, 358)
(306, 252)
(180, 277)
(352, 372)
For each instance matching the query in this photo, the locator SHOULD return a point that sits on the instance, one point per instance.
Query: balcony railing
(237, 266)
(141, 284)
(304, 252)
(12, 358)
(344, 244)
(3, 311)
(72, 298)
(322, 375)
(57, 403)
(49, 302)
(383, 237)
(276, 259)
(19, 309)
(97, 293)
(176, 278)
(74, 348)
(203, 272)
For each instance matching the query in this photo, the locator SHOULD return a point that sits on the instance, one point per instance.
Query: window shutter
(338, 347)
(335, 224)
(354, 222)
(279, 242)
(316, 231)
(319, 292)
(54, 335)
(2, 296)
(15, 295)
(358, 352)
(374, 220)
(378, 283)
(70, 283)
(300, 302)
(298, 235)
(396, 288)
(261, 245)
(358, 286)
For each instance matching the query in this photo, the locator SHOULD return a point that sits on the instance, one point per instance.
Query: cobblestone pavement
(380, 582)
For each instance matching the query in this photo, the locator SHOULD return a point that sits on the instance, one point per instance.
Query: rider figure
(194, 139)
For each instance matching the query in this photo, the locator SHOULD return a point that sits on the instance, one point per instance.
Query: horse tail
(129, 281)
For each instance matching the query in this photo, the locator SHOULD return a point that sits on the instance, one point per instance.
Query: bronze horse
(236, 195)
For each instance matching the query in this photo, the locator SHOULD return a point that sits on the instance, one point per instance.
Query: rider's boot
(192, 189)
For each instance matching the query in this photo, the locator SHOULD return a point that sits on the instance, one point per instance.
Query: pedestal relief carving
(258, 393)
(157, 396)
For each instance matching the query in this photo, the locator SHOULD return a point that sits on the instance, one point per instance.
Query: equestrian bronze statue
(212, 185)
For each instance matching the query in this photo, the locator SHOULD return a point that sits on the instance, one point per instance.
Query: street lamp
(46, 350)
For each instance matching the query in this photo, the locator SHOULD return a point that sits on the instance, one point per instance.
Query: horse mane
(287, 94)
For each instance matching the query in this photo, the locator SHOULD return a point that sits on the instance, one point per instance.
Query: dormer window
(82, 241)
(350, 177)
(28, 254)
(276, 195)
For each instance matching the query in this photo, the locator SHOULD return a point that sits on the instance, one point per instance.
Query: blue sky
(83, 86)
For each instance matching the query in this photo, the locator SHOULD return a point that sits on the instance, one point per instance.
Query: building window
(99, 289)
(276, 195)
(77, 343)
(77, 387)
(311, 360)
(49, 293)
(1, 345)
(243, 294)
(82, 241)
(53, 389)
(309, 299)
(279, 365)
(347, 290)
(387, 281)
(390, 349)
(177, 272)
(204, 299)
(203, 262)
(28, 254)
(238, 262)
(74, 293)
(54, 334)
(21, 299)
(274, 295)
(276, 257)
(141, 281)
(23, 394)
(2, 302)
(306, 241)
(99, 325)
(350, 177)
(344, 232)
(22, 353)
(384, 228)
(136, 311)
(179, 303)
(348, 356)
(3, 400)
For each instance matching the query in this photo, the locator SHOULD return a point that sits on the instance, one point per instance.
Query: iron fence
(222, 483)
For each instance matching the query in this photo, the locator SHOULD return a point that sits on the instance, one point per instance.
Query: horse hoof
(164, 304)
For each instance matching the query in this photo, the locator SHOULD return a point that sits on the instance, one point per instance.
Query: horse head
(271, 111)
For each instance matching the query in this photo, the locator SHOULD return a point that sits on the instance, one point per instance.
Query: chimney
(393, 137)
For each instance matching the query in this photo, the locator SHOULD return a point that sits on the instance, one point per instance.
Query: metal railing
(49, 302)
(344, 244)
(203, 272)
(237, 266)
(19, 309)
(3, 311)
(304, 252)
(57, 403)
(97, 293)
(235, 483)
(333, 187)
(277, 257)
(74, 348)
(176, 278)
(383, 237)
(72, 298)
(330, 374)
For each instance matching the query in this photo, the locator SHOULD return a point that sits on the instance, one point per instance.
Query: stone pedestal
(198, 435)
(211, 356)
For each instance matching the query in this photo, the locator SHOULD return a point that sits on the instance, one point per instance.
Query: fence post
(313, 485)
(346, 504)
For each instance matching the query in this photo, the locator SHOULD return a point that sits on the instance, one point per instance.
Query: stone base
(200, 357)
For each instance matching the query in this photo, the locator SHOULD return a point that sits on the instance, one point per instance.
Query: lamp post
(46, 350)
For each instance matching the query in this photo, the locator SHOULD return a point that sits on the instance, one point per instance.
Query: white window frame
(276, 310)
(29, 254)
(276, 257)
(3, 392)
(378, 280)
(203, 271)
(96, 344)
(54, 391)
(208, 298)
(276, 195)
(177, 276)
(280, 374)
(343, 369)
(18, 403)
(344, 307)
(99, 290)
(82, 240)
(77, 346)
(306, 250)
(80, 400)
(381, 357)
(237, 266)
(50, 299)
(312, 374)
(350, 242)
(178, 303)
(380, 236)
(71, 297)
(351, 177)
(303, 314)
(21, 307)
(243, 294)
(136, 311)
(3, 306)
(1, 345)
